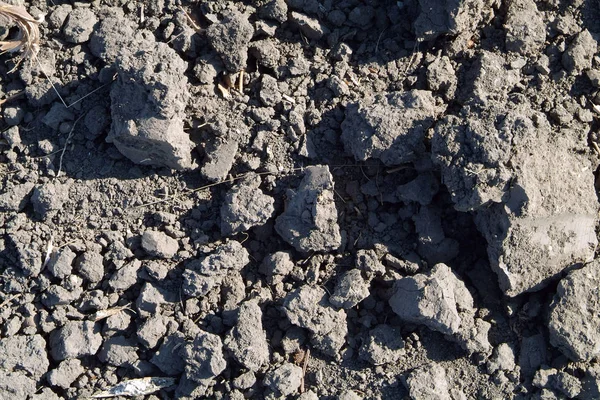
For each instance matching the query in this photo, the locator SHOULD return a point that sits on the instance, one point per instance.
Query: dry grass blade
(28, 38)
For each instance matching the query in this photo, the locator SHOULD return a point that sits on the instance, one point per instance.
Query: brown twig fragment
(28, 38)
(304, 367)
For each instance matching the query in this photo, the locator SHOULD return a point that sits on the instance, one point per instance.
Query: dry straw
(28, 37)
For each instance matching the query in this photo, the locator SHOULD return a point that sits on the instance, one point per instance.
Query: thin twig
(62, 154)
(304, 367)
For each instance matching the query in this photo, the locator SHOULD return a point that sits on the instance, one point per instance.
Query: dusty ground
(302, 199)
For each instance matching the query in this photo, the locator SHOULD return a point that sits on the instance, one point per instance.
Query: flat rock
(247, 340)
(75, 339)
(308, 307)
(168, 358)
(309, 222)
(575, 314)
(26, 353)
(442, 302)
(148, 107)
(219, 159)
(245, 206)
(389, 127)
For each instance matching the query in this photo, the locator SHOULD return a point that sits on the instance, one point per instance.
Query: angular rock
(159, 244)
(442, 302)
(119, 351)
(525, 27)
(152, 330)
(310, 27)
(49, 198)
(60, 263)
(79, 25)
(15, 198)
(441, 77)
(219, 159)
(28, 254)
(276, 266)
(90, 266)
(152, 297)
(245, 206)
(578, 56)
(285, 380)
(75, 339)
(66, 373)
(428, 382)
(309, 222)
(488, 81)
(125, 277)
(384, 345)
(503, 358)
(169, 357)
(351, 289)
(389, 127)
(16, 385)
(27, 353)
(575, 314)
(230, 38)
(148, 107)
(532, 354)
(113, 34)
(247, 340)
(450, 17)
(204, 357)
(309, 308)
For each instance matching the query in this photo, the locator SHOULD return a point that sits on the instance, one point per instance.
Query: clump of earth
(301, 199)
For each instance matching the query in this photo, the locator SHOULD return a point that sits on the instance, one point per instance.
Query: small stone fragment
(245, 206)
(204, 357)
(428, 382)
(230, 38)
(159, 244)
(119, 351)
(48, 198)
(578, 56)
(310, 27)
(90, 266)
(66, 373)
(15, 198)
(350, 290)
(79, 25)
(247, 340)
(75, 339)
(384, 345)
(309, 222)
(525, 27)
(27, 353)
(285, 380)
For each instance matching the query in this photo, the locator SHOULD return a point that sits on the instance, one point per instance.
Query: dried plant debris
(136, 387)
(28, 37)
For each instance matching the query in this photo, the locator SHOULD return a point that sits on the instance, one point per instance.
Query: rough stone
(16, 385)
(152, 330)
(219, 159)
(247, 340)
(169, 357)
(310, 27)
(428, 382)
(119, 351)
(453, 17)
(525, 27)
(75, 339)
(159, 244)
(245, 206)
(148, 107)
(15, 198)
(309, 222)
(61, 262)
(204, 357)
(49, 198)
(384, 345)
(230, 38)
(309, 308)
(79, 25)
(90, 265)
(66, 373)
(27, 353)
(575, 314)
(441, 77)
(580, 52)
(351, 289)
(389, 127)
(285, 380)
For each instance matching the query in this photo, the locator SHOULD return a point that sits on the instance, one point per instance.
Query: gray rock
(525, 27)
(433, 245)
(75, 339)
(27, 353)
(66, 373)
(230, 38)
(452, 17)
(152, 330)
(49, 198)
(57, 114)
(309, 308)
(503, 358)
(422, 189)
(310, 27)
(428, 382)
(245, 206)
(532, 354)
(113, 34)
(59, 14)
(384, 345)
(309, 222)
(247, 340)
(90, 266)
(196, 284)
(152, 297)
(219, 159)
(274, 9)
(204, 357)
(266, 53)
(441, 77)
(441, 301)
(125, 277)
(269, 92)
(13, 115)
(169, 357)
(245, 381)
(148, 107)
(580, 52)
(28, 254)
(70, 290)
(285, 380)
(276, 266)
(159, 244)
(61, 262)
(15, 198)
(351, 289)
(368, 261)
(79, 25)
(16, 385)
(489, 81)
(574, 323)
(389, 127)
(119, 351)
